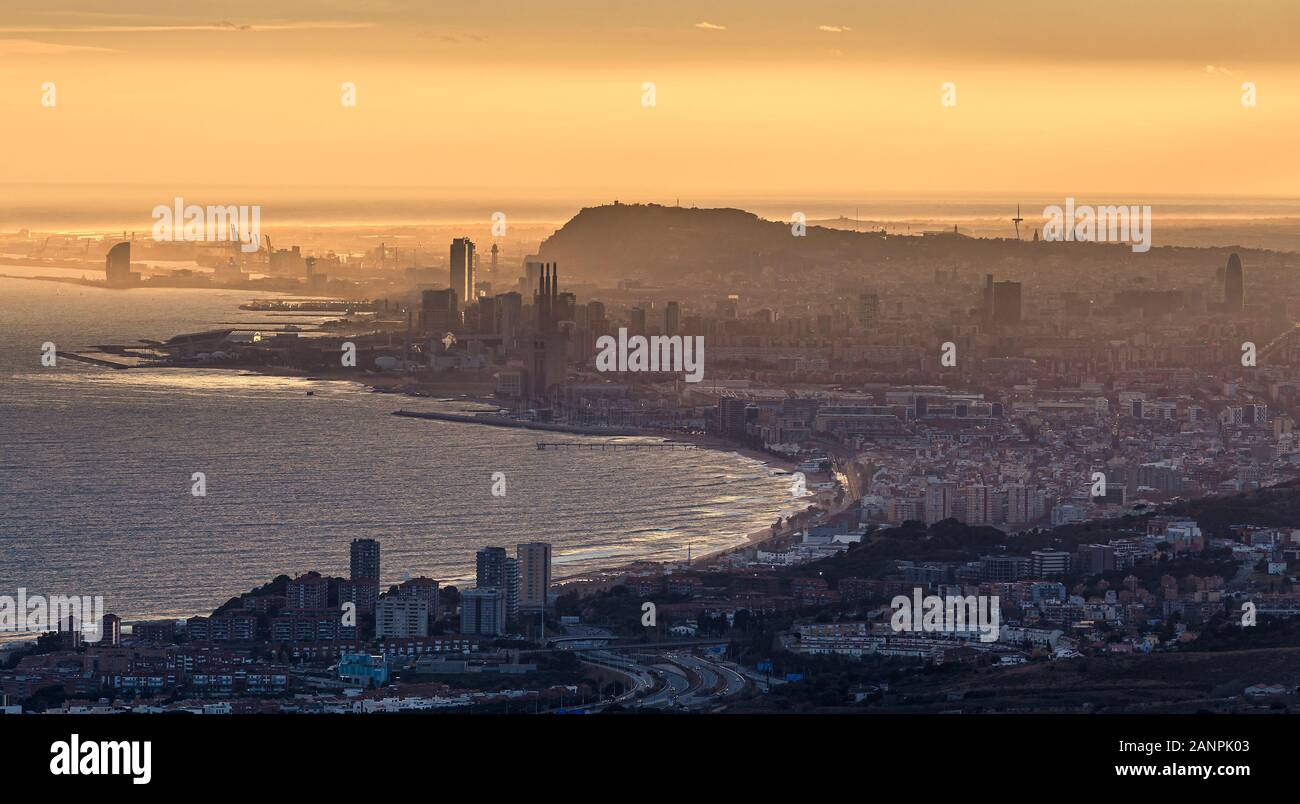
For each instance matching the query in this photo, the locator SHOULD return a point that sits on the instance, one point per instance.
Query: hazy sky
(753, 96)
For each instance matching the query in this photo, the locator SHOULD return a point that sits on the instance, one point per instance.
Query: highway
(643, 678)
(735, 682)
(663, 679)
(693, 682)
(675, 685)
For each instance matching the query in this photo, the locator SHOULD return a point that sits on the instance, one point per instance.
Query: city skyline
(670, 360)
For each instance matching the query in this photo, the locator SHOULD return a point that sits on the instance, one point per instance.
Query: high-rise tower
(439, 311)
(1006, 304)
(117, 265)
(496, 570)
(534, 562)
(1234, 286)
(364, 572)
(462, 269)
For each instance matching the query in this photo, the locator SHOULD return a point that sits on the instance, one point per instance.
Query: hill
(660, 243)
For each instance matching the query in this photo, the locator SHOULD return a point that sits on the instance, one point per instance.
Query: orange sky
(753, 97)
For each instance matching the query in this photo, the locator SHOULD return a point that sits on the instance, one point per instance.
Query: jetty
(603, 445)
(495, 420)
(94, 361)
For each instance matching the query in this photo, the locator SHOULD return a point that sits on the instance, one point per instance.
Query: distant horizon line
(142, 232)
(102, 216)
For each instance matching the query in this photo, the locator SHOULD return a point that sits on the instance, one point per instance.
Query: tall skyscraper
(510, 317)
(566, 305)
(940, 502)
(499, 571)
(511, 587)
(1018, 496)
(1006, 304)
(365, 559)
(534, 574)
(112, 631)
(364, 572)
(439, 311)
(117, 265)
(979, 508)
(483, 611)
(489, 315)
(462, 269)
(488, 564)
(733, 417)
(1234, 286)
(986, 302)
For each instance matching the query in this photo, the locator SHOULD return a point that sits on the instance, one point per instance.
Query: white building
(401, 616)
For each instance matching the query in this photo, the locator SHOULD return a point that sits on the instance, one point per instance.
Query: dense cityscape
(397, 392)
(1000, 451)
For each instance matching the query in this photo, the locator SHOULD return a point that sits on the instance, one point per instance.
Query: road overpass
(586, 643)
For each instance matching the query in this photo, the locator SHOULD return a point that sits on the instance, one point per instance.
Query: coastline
(700, 441)
(399, 386)
(476, 391)
(461, 394)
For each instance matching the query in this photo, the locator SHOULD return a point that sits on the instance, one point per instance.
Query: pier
(602, 445)
(493, 420)
(94, 361)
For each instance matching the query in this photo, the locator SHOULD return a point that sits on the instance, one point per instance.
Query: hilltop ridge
(667, 242)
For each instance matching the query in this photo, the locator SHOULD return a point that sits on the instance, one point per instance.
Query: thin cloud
(31, 47)
(1210, 69)
(456, 39)
(710, 26)
(834, 28)
(224, 25)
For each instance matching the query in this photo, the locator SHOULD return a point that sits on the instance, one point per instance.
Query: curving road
(714, 681)
(669, 680)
